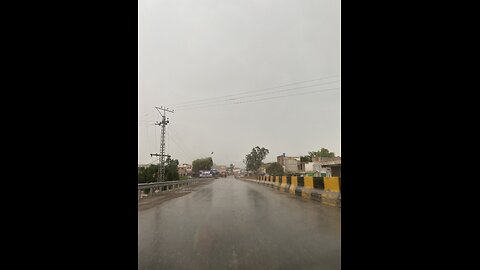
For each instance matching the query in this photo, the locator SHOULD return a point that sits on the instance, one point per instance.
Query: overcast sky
(203, 50)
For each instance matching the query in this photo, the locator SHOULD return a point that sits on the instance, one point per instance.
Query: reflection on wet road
(233, 224)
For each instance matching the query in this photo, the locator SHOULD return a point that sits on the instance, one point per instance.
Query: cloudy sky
(239, 73)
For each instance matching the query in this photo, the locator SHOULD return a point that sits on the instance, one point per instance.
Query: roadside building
(184, 169)
(315, 169)
(334, 164)
(291, 165)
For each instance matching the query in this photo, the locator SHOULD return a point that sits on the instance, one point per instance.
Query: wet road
(234, 224)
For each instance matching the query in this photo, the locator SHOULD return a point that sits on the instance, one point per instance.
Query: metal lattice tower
(163, 124)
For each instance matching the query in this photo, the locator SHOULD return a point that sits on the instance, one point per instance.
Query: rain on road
(235, 224)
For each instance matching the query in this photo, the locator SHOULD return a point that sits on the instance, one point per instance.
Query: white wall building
(315, 167)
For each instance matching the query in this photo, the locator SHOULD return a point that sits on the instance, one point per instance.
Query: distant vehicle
(204, 174)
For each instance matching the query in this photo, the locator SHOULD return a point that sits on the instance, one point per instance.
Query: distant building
(184, 169)
(322, 166)
(315, 169)
(290, 164)
(334, 164)
(220, 168)
(326, 160)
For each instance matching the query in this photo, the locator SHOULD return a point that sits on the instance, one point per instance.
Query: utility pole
(161, 159)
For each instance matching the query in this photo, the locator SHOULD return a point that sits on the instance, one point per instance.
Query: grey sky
(197, 49)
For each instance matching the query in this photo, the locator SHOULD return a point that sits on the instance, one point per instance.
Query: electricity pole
(161, 159)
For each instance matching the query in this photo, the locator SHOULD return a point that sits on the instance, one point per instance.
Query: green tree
(322, 153)
(141, 175)
(171, 169)
(202, 164)
(275, 169)
(305, 159)
(255, 158)
(148, 174)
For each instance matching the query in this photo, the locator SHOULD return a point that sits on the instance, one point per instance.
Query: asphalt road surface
(235, 224)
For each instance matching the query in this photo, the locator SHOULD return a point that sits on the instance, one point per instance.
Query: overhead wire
(152, 161)
(147, 114)
(261, 99)
(250, 91)
(254, 95)
(196, 104)
(181, 143)
(181, 149)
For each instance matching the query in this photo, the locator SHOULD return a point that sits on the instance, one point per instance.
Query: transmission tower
(161, 160)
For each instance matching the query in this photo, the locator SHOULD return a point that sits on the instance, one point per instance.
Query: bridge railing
(153, 187)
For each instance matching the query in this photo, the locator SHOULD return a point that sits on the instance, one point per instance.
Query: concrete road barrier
(322, 189)
(293, 185)
(318, 189)
(307, 187)
(331, 195)
(284, 184)
(277, 183)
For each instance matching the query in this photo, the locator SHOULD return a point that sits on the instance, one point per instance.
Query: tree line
(150, 173)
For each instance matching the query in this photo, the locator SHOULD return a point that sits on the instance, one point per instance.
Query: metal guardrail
(155, 187)
(168, 183)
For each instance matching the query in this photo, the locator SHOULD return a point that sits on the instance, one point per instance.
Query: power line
(147, 114)
(260, 94)
(262, 99)
(256, 90)
(297, 94)
(146, 133)
(152, 161)
(181, 143)
(181, 149)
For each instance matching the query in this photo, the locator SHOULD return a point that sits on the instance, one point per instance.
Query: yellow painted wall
(332, 184)
(307, 187)
(308, 181)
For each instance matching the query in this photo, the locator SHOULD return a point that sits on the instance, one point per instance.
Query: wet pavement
(235, 224)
